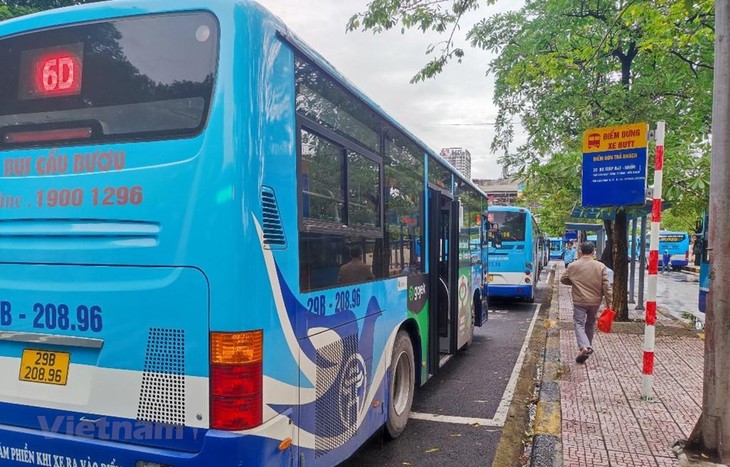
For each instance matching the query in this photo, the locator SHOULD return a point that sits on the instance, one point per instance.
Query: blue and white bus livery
(184, 183)
(514, 261)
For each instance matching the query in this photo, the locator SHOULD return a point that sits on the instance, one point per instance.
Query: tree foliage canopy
(563, 66)
(13, 8)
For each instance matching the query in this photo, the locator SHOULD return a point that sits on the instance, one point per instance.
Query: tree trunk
(607, 253)
(712, 432)
(620, 266)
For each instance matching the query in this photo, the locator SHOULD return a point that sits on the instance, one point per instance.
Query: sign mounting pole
(647, 379)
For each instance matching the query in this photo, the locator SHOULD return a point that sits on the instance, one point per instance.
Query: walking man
(589, 279)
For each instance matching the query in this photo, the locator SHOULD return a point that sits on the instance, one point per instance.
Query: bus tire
(473, 323)
(402, 385)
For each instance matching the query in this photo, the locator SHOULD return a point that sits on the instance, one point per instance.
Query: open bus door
(443, 266)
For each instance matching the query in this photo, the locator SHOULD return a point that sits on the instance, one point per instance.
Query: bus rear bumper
(21, 446)
(510, 291)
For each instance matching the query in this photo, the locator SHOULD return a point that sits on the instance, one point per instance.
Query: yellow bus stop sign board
(612, 138)
(614, 165)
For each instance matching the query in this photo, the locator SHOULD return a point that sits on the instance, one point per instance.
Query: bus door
(443, 263)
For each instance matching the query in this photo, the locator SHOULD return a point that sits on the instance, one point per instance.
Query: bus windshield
(143, 77)
(511, 225)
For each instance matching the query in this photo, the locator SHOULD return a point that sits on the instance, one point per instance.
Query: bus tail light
(527, 272)
(236, 380)
(41, 136)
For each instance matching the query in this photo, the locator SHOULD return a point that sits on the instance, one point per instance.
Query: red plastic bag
(606, 320)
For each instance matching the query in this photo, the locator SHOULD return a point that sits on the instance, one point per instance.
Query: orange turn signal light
(237, 347)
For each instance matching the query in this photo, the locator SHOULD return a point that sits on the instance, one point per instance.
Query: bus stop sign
(614, 165)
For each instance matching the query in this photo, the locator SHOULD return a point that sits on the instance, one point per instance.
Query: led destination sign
(51, 72)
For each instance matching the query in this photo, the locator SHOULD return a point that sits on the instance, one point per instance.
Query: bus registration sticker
(43, 366)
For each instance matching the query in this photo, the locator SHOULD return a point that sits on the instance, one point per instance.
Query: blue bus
(514, 258)
(556, 247)
(676, 244)
(703, 237)
(316, 266)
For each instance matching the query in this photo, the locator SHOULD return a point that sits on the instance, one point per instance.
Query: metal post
(647, 379)
(642, 264)
(632, 272)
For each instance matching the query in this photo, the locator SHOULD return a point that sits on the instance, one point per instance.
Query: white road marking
(500, 416)
(432, 417)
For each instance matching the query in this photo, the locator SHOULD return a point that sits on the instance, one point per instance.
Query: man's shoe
(583, 356)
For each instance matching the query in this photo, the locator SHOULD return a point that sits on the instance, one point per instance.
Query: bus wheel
(402, 384)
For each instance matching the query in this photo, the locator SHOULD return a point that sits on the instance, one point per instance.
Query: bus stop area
(593, 413)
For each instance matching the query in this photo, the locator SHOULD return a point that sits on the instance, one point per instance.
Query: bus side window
(404, 211)
(322, 256)
(323, 196)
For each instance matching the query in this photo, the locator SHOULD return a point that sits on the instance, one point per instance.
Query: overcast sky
(454, 109)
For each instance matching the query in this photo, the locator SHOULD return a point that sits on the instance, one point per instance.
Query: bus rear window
(141, 77)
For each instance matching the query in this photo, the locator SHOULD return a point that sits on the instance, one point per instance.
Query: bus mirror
(698, 226)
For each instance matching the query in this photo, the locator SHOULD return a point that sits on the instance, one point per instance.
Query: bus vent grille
(274, 237)
(337, 396)
(162, 397)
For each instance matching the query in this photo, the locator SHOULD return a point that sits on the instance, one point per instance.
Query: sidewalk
(603, 420)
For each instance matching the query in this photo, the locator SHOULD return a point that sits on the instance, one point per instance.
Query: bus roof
(320, 61)
(509, 209)
(670, 232)
(221, 8)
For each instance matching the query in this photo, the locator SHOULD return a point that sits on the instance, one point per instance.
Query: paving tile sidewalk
(603, 419)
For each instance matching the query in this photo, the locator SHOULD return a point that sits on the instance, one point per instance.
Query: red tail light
(236, 380)
(236, 413)
(47, 135)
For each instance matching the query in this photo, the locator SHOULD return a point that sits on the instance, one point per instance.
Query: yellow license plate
(490, 278)
(44, 366)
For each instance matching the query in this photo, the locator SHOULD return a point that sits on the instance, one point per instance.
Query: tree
(712, 431)
(13, 8)
(564, 66)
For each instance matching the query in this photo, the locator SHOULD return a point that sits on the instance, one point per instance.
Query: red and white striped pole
(647, 380)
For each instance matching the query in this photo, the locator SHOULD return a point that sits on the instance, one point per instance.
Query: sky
(454, 109)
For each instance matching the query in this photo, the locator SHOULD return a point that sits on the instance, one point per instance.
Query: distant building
(501, 192)
(460, 158)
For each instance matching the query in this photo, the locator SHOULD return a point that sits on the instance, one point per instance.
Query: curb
(547, 448)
